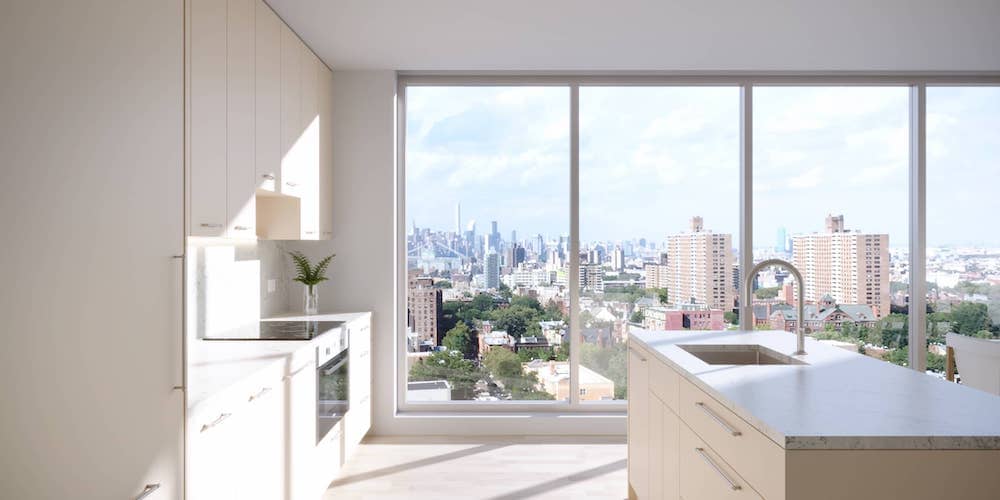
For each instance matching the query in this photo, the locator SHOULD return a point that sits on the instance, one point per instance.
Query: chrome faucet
(800, 346)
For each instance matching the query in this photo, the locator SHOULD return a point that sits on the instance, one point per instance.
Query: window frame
(917, 83)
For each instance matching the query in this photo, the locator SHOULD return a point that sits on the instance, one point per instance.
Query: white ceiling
(651, 35)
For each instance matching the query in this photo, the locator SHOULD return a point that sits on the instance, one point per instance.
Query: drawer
(752, 454)
(704, 475)
(664, 382)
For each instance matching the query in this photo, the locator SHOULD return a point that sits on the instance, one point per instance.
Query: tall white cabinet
(259, 134)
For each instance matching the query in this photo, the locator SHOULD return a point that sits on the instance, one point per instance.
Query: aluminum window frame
(917, 83)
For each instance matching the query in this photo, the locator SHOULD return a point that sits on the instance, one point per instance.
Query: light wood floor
(494, 468)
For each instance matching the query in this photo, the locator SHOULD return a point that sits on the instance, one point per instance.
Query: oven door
(332, 399)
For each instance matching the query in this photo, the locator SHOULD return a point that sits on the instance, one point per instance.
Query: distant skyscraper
(853, 268)
(493, 239)
(513, 237)
(618, 259)
(492, 269)
(458, 218)
(781, 241)
(700, 269)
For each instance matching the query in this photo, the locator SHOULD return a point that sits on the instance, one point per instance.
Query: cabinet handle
(291, 184)
(269, 177)
(364, 400)
(259, 394)
(708, 460)
(715, 416)
(215, 422)
(363, 354)
(310, 232)
(206, 224)
(148, 490)
(240, 228)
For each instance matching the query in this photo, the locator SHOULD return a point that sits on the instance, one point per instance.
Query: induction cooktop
(284, 330)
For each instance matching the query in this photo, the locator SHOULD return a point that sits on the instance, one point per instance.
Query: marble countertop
(215, 365)
(838, 400)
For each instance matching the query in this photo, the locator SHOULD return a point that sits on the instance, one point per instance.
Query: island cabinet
(258, 126)
(685, 443)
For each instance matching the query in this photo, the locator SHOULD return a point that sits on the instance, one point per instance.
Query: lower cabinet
(638, 425)
(652, 435)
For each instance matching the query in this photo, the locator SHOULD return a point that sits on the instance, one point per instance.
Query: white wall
(91, 215)
(362, 274)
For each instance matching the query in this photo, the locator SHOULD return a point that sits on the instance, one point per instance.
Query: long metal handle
(215, 422)
(205, 224)
(148, 490)
(725, 425)
(708, 460)
(291, 184)
(260, 394)
(240, 228)
(269, 177)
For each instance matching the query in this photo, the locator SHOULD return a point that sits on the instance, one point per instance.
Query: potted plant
(310, 276)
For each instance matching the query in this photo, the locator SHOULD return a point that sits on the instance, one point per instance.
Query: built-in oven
(332, 382)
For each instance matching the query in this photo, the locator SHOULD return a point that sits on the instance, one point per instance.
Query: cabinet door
(267, 94)
(263, 445)
(638, 425)
(325, 152)
(359, 415)
(290, 107)
(309, 140)
(207, 91)
(663, 439)
(301, 430)
(214, 457)
(240, 122)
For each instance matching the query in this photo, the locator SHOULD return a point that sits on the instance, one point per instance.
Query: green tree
(731, 317)
(459, 339)
(663, 295)
(532, 353)
(553, 312)
(637, 317)
(969, 318)
(502, 363)
(526, 302)
(442, 284)
(505, 291)
(898, 356)
(766, 293)
(461, 373)
(517, 321)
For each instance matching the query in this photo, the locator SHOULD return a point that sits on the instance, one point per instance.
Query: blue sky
(653, 157)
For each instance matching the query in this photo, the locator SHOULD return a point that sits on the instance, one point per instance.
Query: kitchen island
(829, 424)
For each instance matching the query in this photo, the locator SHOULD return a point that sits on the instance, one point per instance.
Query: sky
(652, 157)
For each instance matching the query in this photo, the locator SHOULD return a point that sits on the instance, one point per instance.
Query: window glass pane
(963, 235)
(487, 201)
(830, 182)
(659, 219)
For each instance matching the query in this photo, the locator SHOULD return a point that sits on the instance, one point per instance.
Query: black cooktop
(285, 330)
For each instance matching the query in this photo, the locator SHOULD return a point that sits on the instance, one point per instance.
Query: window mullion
(574, 244)
(917, 311)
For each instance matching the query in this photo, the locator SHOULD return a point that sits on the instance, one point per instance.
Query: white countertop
(839, 400)
(215, 365)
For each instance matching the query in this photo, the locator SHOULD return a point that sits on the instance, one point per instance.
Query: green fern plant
(308, 274)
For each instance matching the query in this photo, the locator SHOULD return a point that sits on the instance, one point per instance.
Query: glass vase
(311, 299)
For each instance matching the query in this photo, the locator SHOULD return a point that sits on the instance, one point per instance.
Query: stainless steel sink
(739, 354)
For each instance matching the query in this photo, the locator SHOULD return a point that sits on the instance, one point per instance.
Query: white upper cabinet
(207, 129)
(267, 93)
(260, 161)
(290, 105)
(325, 152)
(240, 123)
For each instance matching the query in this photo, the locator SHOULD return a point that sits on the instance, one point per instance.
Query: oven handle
(335, 367)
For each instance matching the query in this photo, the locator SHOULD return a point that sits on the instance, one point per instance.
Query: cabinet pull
(725, 425)
(269, 177)
(708, 460)
(148, 490)
(260, 394)
(206, 224)
(291, 184)
(363, 354)
(364, 400)
(215, 422)
(240, 228)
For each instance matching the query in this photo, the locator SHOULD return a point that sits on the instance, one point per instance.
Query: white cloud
(808, 179)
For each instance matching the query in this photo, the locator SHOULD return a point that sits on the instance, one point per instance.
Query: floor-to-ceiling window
(487, 207)
(636, 191)
(659, 218)
(963, 232)
(830, 195)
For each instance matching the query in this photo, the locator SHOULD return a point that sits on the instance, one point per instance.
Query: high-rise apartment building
(699, 267)
(424, 312)
(491, 268)
(618, 259)
(592, 277)
(851, 267)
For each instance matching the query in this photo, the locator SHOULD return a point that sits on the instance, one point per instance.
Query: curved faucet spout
(748, 308)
